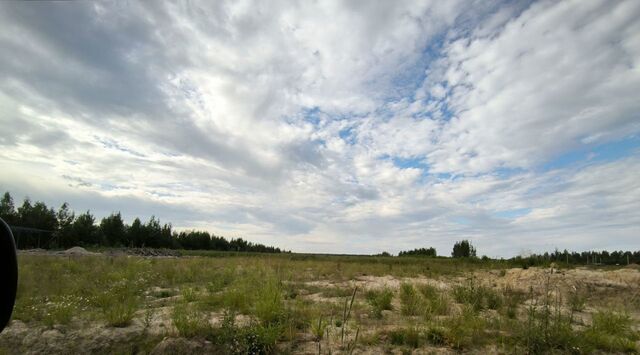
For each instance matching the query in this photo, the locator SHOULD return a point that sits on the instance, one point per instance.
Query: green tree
(112, 230)
(85, 230)
(463, 249)
(37, 216)
(7, 209)
(64, 234)
(135, 234)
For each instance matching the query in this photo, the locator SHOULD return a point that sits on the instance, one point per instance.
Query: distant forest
(464, 249)
(34, 225)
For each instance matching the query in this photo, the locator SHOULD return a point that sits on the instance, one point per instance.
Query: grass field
(292, 303)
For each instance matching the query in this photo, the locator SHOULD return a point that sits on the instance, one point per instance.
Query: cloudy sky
(325, 126)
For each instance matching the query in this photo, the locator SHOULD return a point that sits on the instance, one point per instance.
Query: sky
(332, 126)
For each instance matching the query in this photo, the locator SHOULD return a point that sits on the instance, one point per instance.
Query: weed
(148, 317)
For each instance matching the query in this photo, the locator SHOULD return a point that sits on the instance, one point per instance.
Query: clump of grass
(466, 329)
(120, 314)
(269, 306)
(577, 300)
(189, 294)
(119, 304)
(59, 311)
(318, 329)
(436, 335)
(189, 322)
(612, 332)
(253, 339)
(435, 301)
(410, 336)
(478, 296)
(409, 300)
(512, 300)
(163, 294)
(379, 300)
(547, 328)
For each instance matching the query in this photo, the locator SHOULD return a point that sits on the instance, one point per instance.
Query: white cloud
(286, 123)
(558, 76)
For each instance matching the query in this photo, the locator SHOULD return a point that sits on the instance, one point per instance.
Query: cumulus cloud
(331, 126)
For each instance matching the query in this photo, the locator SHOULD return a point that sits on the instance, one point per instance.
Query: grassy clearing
(265, 304)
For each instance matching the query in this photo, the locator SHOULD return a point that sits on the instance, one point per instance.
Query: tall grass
(409, 300)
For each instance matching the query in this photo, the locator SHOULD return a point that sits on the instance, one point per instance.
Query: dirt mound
(77, 251)
(147, 252)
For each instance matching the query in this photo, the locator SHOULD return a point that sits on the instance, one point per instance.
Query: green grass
(189, 322)
(410, 301)
(380, 300)
(274, 303)
(436, 302)
(477, 296)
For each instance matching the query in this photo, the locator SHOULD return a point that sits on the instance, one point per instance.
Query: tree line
(464, 249)
(35, 225)
(461, 249)
(603, 257)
